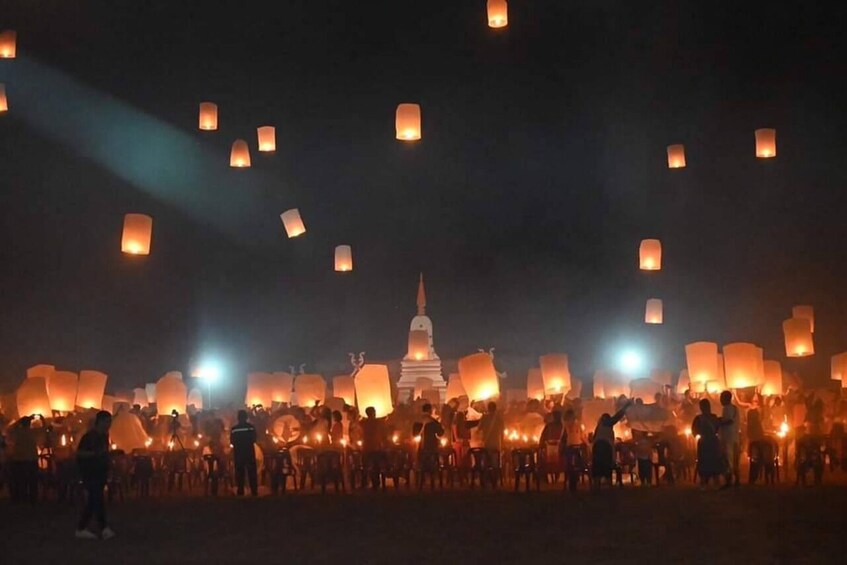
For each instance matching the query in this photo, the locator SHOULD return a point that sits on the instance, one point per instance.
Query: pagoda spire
(421, 298)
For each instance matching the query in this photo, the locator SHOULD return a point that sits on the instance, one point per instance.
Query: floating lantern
(43, 371)
(535, 384)
(61, 388)
(139, 397)
(408, 122)
(309, 390)
(765, 143)
(556, 373)
(804, 311)
(267, 139)
(676, 156)
(743, 365)
(239, 157)
(150, 389)
(293, 223)
(645, 389)
(282, 384)
(171, 394)
(92, 385)
(653, 311)
(138, 230)
(773, 378)
(344, 387)
(343, 258)
(650, 255)
(32, 397)
(208, 116)
(195, 398)
(498, 14)
(455, 389)
(479, 377)
(422, 384)
(798, 337)
(8, 44)
(4, 102)
(702, 361)
(838, 367)
(259, 390)
(418, 345)
(373, 389)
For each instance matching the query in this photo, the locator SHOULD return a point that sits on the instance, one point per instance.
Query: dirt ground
(783, 524)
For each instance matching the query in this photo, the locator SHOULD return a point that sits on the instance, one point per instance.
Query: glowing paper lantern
(773, 378)
(239, 157)
(455, 389)
(598, 381)
(43, 371)
(373, 389)
(138, 230)
(8, 44)
(479, 376)
(650, 255)
(676, 156)
(742, 362)
(418, 345)
(139, 397)
(343, 258)
(195, 398)
(108, 404)
(127, 433)
(150, 389)
(32, 397)
(765, 143)
(535, 384)
(721, 371)
(293, 223)
(645, 389)
(838, 367)
(309, 390)
(259, 390)
(61, 388)
(344, 387)
(702, 361)
(498, 14)
(281, 387)
(422, 384)
(4, 102)
(805, 311)
(208, 116)
(615, 385)
(267, 139)
(798, 337)
(408, 122)
(92, 385)
(713, 387)
(556, 373)
(653, 311)
(576, 389)
(171, 394)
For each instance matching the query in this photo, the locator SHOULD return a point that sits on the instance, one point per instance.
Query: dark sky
(542, 165)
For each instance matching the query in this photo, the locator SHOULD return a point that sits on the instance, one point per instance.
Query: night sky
(542, 166)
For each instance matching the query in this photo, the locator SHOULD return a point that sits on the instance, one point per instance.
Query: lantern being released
(171, 394)
(32, 397)
(344, 387)
(309, 390)
(138, 231)
(419, 345)
(838, 367)
(408, 122)
(92, 385)
(139, 397)
(293, 223)
(676, 156)
(653, 311)
(8, 44)
(343, 258)
(765, 143)
(43, 371)
(239, 157)
(535, 384)
(4, 102)
(455, 389)
(804, 311)
(743, 365)
(479, 377)
(282, 384)
(798, 337)
(556, 373)
(773, 378)
(650, 255)
(267, 139)
(373, 389)
(498, 14)
(208, 120)
(259, 390)
(61, 388)
(702, 361)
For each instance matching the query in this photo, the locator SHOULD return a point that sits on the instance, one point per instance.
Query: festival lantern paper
(61, 388)
(645, 389)
(4, 102)
(721, 371)
(239, 157)
(702, 361)
(804, 311)
(418, 345)
(92, 385)
(171, 394)
(798, 337)
(127, 432)
(653, 311)
(408, 122)
(343, 258)
(139, 397)
(32, 397)
(150, 389)
(535, 384)
(259, 390)
(713, 387)
(293, 223)
(593, 410)
(683, 383)
(138, 231)
(267, 139)
(195, 398)
(281, 387)
(174, 374)
(43, 371)
(676, 156)
(309, 390)
(765, 143)
(615, 385)
(773, 378)
(838, 367)
(8, 44)
(598, 381)
(575, 390)
(741, 364)
(479, 376)
(108, 404)
(498, 14)
(555, 372)
(455, 389)
(373, 389)
(650, 255)
(344, 387)
(422, 384)
(208, 120)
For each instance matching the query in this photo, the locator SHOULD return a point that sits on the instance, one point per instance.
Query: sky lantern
(208, 116)
(773, 378)
(92, 385)
(650, 255)
(455, 389)
(598, 381)
(282, 384)
(676, 156)
(721, 370)
(61, 388)
(615, 384)
(150, 389)
(742, 365)
(418, 345)
(343, 258)
(139, 397)
(765, 143)
(171, 394)
(422, 384)
(309, 390)
(344, 387)
(8, 44)
(138, 231)
(127, 432)
(702, 360)
(195, 398)
(32, 397)
(653, 311)
(259, 390)
(479, 377)
(4, 102)
(293, 223)
(798, 337)
(239, 157)
(373, 389)
(804, 311)
(535, 384)
(838, 367)
(498, 14)
(267, 139)
(408, 122)
(44, 371)
(556, 373)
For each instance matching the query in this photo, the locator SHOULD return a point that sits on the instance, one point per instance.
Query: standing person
(575, 443)
(373, 443)
(430, 430)
(243, 438)
(92, 457)
(24, 461)
(336, 432)
(603, 449)
(730, 439)
(709, 456)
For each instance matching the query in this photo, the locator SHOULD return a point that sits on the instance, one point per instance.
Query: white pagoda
(421, 359)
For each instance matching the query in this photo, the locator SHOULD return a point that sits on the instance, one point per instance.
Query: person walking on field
(243, 438)
(92, 458)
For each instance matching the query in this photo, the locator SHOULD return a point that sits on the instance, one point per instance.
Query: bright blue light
(631, 361)
(209, 371)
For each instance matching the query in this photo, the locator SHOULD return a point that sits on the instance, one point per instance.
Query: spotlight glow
(631, 361)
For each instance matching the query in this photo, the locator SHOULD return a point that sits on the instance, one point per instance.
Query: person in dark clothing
(24, 462)
(430, 431)
(373, 443)
(92, 458)
(243, 438)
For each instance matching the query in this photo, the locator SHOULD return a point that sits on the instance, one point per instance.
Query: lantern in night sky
(61, 388)
(455, 389)
(309, 389)
(408, 122)
(676, 156)
(32, 397)
(535, 384)
(743, 365)
(838, 367)
(343, 258)
(804, 311)
(498, 14)
(479, 377)
(373, 389)
(267, 139)
(555, 372)
(702, 360)
(798, 337)
(4, 102)
(239, 157)
(282, 385)
(259, 390)
(653, 311)
(344, 387)
(418, 345)
(773, 378)
(293, 223)
(765, 143)
(650, 255)
(8, 44)
(138, 231)
(92, 385)
(208, 120)
(171, 394)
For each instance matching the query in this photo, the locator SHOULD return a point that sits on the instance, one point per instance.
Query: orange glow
(555, 372)
(838, 368)
(373, 388)
(343, 258)
(418, 345)
(293, 223)
(208, 120)
(267, 139)
(239, 157)
(310, 389)
(653, 311)
(773, 378)
(479, 377)
(8, 44)
(702, 360)
(408, 122)
(92, 385)
(454, 386)
(259, 389)
(282, 384)
(4, 102)
(61, 388)
(498, 14)
(804, 311)
(443, 442)
(676, 156)
(535, 384)
(798, 337)
(138, 231)
(171, 394)
(422, 384)
(650, 255)
(64, 440)
(765, 143)
(743, 365)
(395, 438)
(344, 387)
